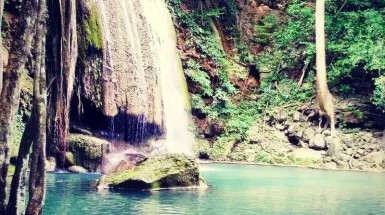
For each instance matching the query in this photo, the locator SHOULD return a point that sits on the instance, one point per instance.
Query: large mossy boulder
(87, 151)
(157, 172)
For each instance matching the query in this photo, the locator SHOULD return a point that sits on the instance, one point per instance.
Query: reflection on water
(236, 190)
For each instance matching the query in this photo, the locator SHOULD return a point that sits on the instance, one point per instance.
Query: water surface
(237, 189)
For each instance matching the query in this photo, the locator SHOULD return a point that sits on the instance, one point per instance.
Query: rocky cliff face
(113, 72)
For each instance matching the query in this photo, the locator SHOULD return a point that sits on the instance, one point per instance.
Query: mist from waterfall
(142, 71)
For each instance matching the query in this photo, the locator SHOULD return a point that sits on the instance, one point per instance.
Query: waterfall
(142, 72)
(179, 138)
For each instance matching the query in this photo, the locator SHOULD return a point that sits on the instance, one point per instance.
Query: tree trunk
(37, 172)
(64, 73)
(16, 203)
(1, 45)
(324, 97)
(10, 95)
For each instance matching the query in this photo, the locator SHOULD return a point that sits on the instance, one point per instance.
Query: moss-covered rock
(87, 150)
(77, 169)
(94, 28)
(158, 172)
(90, 29)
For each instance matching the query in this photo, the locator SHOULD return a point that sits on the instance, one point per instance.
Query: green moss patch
(162, 171)
(93, 29)
(87, 150)
(90, 32)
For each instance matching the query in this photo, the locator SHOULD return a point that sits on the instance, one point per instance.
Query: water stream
(236, 189)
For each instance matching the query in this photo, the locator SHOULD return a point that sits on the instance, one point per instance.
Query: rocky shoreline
(317, 167)
(295, 139)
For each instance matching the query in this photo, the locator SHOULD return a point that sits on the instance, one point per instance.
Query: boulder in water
(158, 172)
(50, 164)
(88, 151)
(77, 169)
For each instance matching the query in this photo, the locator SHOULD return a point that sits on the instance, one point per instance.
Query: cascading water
(143, 75)
(178, 137)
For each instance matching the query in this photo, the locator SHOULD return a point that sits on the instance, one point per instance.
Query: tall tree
(35, 133)
(37, 172)
(324, 97)
(1, 44)
(65, 53)
(10, 95)
(17, 195)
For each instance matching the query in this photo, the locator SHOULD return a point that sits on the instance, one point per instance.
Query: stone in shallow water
(88, 151)
(50, 164)
(158, 172)
(77, 169)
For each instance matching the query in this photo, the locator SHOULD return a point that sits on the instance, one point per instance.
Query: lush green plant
(264, 157)
(3, 24)
(356, 43)
(93, 29)
(198, 23)
(379, 92)
(355, 31)
(197, 75)
(265, 29)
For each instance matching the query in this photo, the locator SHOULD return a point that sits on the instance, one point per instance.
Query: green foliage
(197, 103)
(204, 148)
(292, 42)
(218, 151)
(265, 29)
(196, 74)
(356, 112)
(379, 92)
(264, 157)
(3, 24)
(288, 93)
(239, 156)
(90, 33)
(241, 118)
(17, 135)
(93, 29)
(201, 36)
(355, 39)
